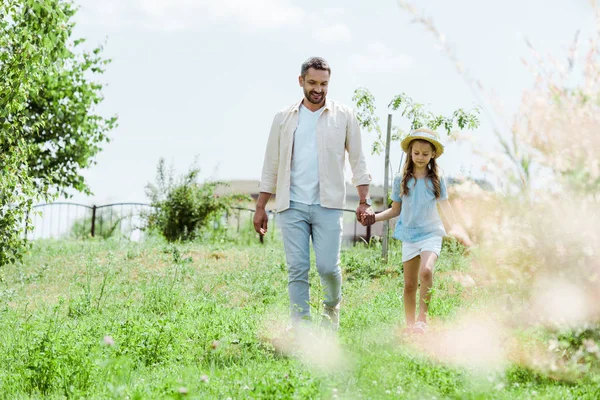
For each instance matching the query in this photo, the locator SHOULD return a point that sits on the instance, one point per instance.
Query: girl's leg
(411, 282)
(427, 263)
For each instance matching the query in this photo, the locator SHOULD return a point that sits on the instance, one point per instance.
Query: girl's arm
(390, 213)
(456, 230)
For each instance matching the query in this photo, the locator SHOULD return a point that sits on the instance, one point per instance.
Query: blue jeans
(299, 223)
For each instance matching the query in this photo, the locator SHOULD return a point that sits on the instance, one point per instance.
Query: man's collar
(327, 105)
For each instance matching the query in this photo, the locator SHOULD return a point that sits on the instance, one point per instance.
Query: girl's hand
(461, 235)
(367, 219)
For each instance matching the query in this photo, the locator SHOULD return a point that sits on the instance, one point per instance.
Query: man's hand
(365, 215)
(261, 220)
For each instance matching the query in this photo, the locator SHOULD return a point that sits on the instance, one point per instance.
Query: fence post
(93, 221)
(386, 223)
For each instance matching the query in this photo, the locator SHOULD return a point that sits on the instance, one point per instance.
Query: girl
(415, 196)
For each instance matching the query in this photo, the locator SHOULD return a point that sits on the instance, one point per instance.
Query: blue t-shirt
(419, 219)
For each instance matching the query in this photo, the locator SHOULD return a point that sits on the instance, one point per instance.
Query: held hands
(365, 215)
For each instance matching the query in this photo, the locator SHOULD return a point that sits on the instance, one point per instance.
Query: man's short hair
(316, 63)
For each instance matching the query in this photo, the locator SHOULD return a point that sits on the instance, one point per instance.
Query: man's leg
(295, 231)
(327, 239)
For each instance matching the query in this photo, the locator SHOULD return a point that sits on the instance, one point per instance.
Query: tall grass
(539, 241)
(117, 319)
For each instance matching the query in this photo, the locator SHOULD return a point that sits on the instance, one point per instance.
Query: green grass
(195, 316)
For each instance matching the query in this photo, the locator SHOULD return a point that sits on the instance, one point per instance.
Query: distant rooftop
(376, 191)
(251, 187)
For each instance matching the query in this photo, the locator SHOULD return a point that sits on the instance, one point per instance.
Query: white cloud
(334, 11)
(380, 58)
(258, 14)
(333, 33)
(185, 14)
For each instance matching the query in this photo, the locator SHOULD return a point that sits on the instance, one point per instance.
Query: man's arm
(268, 180)
(360, 176)
(363, 192)
(358, 164)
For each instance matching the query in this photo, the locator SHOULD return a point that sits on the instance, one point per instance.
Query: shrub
(180, 210)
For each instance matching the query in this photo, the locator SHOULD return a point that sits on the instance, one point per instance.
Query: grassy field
(110, 319)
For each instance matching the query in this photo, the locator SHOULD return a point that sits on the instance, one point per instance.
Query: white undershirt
(304, 184)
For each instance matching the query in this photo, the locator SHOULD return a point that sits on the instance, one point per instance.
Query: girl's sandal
(420, 327)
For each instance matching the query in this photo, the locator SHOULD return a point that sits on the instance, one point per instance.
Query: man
(304, 164)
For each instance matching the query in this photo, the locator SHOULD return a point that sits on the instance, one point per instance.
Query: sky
(204, 78)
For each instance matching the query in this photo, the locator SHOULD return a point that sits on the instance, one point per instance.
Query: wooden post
(386, 224)
(93, 221)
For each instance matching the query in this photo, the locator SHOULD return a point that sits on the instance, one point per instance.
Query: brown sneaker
(331, 317)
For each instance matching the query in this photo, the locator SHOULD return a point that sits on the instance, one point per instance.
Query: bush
(181, 210)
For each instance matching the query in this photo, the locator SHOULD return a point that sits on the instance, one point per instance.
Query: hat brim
(439, 148)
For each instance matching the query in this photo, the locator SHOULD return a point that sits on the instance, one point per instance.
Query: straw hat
(424, 134)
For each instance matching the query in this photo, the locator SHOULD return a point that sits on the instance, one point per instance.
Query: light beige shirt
(338, 132)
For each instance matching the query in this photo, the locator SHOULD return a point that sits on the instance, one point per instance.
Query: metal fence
(73, 220)
(64, 219)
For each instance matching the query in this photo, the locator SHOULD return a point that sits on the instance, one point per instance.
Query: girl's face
(422, 152)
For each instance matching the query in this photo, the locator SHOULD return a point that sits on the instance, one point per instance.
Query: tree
(34, 60)
(63, 123)
(416, 113)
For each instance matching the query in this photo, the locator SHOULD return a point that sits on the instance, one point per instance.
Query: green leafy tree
(63, 126)
(181, 209)
(30, 37)
(47, 127)
(416, 114)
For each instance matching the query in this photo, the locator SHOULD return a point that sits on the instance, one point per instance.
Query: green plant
(196, 320)
(182, 209)
(357, 265)
(578, 348)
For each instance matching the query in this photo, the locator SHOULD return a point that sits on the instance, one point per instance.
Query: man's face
(315, 85)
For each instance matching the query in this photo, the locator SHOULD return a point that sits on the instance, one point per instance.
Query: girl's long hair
(408, 172)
